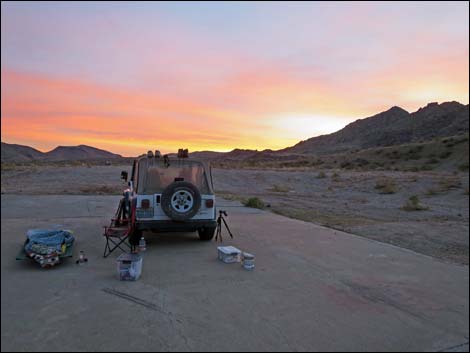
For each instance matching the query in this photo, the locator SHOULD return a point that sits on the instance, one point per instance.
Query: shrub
(463, 167)
(361, 162)
(100, 190)
(335, 177)
(431, 192)
(432, 161)
(423, 167)
(446, 184)
(445, 154)
(321, 175)
(279, 188)
(254, 202)
(386, 186)
(413, 204)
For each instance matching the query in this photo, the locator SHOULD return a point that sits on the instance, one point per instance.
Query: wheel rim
(182, 201)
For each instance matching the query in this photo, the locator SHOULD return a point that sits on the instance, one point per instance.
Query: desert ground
(371, 204)
(348, 269)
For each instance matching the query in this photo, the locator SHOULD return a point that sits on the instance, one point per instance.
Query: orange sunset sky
(129, 77)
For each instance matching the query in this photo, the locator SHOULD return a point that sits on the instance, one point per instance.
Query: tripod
(221, 219)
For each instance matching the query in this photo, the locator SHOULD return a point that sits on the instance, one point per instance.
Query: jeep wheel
(181, 201)
(206, 234)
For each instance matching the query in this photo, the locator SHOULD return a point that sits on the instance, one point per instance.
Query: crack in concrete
(454, 347)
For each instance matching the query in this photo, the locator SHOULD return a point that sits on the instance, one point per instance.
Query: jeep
(170, 195)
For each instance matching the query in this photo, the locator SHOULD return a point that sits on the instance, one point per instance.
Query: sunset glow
(128, 77)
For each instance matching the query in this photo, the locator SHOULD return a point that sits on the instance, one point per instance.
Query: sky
(135, 76)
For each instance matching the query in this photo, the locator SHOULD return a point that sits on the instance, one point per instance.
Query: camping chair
(118, 232)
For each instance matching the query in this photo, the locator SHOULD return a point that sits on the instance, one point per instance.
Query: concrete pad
(313, 289)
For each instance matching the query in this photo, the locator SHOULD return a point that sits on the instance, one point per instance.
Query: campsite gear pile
(46, 246)
(230, 255)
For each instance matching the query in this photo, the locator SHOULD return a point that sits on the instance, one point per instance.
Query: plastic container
(142, 244)
(129, 267)
(248, 261)
(228, 254)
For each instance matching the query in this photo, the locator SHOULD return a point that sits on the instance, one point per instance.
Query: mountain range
(395, 126)
(20, 153)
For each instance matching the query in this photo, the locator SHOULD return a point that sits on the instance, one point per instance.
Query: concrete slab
(313, 289)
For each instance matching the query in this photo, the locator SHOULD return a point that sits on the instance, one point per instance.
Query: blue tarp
(48, 238)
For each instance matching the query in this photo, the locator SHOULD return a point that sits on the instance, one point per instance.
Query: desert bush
(361, 162)
(8, 166)
(413, 204)
(395, 154)
(445, 154)
(254, 202)
(346, 165)
(450, 143)
(465, 192)
(463, 167)
(432, 191)
(386, 186)
(423, 167)
(321, 175)
(446, 184)
(432, 161)
(335, 177)
(316, 162)
(100, 190)
(279, 188)
(414, 153)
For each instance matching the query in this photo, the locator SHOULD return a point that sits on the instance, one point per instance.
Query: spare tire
(181, 200)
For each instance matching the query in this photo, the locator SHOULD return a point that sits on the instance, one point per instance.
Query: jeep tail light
(209, 203)
(145, 204)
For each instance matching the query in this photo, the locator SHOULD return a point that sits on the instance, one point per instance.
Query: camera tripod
(221, 219)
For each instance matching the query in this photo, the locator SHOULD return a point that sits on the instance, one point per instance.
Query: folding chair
(118, 232)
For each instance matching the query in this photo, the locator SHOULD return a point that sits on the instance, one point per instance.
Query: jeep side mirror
(124, 175)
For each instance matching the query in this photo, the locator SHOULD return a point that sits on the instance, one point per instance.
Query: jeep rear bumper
(173, 226)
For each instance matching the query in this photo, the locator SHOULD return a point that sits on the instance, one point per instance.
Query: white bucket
(248, 261)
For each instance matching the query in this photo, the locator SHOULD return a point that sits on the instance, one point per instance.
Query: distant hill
(393, 127)
(20, 153)
(82, 152)
(205, 154)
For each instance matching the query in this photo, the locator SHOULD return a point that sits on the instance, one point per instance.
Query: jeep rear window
(154, 177)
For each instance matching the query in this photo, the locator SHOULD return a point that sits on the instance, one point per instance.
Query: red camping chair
(119, 230)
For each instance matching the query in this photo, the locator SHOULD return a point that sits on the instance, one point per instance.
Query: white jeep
(170, 195)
